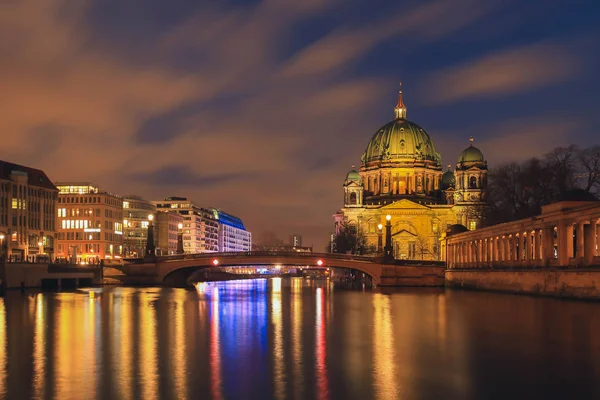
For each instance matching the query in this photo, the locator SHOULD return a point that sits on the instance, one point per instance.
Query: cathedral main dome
(401, 141)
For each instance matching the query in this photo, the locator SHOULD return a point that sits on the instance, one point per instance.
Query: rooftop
(35, 177)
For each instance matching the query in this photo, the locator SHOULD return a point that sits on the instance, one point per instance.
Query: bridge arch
(167, 267)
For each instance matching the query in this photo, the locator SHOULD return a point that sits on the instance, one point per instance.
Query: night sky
(261, 108)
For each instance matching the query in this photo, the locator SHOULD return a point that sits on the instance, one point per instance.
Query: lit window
(473, 225)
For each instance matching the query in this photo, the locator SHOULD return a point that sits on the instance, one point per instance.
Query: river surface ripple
(295, 339)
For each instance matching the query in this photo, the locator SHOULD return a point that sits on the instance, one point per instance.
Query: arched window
(352, 227)
(473, 182)
(352, 199)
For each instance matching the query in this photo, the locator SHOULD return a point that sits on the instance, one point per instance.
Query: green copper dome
(400, 140)
(448, 180)
(471, 154)
(353, 176)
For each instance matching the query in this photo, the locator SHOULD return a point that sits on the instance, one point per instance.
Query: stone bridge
(180, 267)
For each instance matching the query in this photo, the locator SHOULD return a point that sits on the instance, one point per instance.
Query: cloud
(425, 22)
(184, 176)
(513, 139)
(500, 73)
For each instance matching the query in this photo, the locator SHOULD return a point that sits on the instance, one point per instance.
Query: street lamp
(387, 251)
(380, 239)
(150, 247)
(180, 238)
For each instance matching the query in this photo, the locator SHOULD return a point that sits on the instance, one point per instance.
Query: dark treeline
(519, 190)
(352, 241)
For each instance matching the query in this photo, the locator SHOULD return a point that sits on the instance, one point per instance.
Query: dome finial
(353, 166)
(400, 109)
(471, 140)
(449, 167)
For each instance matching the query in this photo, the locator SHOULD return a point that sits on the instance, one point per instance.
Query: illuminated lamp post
(2, 246)
(180, 239)
(125, 234)
(388, 257)
(379, 239)
(150, 247)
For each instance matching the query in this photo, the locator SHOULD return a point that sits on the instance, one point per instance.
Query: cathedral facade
(401, 176)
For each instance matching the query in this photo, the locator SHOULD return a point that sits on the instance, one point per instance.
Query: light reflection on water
(295, 339)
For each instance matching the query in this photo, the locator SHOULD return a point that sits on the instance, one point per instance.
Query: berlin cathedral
(401, 176)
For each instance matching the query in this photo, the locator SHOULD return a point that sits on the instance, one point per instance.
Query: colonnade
(403, 183)
(561, 240)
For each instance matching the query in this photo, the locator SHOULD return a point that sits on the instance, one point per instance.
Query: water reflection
(2, 349)
(384, 366)
(39, 349)
(215, 346)
(292, 338)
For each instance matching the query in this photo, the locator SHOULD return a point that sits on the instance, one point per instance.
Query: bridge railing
(263, 254)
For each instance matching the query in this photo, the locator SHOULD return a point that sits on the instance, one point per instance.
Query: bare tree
(352, 241)
(562, 164)
(589, 165)
(427, 246)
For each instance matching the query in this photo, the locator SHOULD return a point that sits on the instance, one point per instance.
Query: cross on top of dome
(400, 109)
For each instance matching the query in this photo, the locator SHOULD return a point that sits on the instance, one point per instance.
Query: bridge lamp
(180, 226)
(380, 226)
(215, 262)
(150, 217)
(388, 217)
(320, 262)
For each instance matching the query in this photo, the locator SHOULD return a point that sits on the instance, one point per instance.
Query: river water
(295, 339)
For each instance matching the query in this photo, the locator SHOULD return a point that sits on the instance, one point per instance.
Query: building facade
(135, 225)
(200, 228)
(27, 213)
(167, 231)
(232, 234)
(401, 175)
(90, 223)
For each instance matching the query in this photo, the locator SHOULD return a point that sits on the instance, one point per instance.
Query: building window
(472, 225)
(473, 183)
(352, 199)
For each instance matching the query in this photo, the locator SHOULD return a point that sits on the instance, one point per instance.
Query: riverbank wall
(40, 275)
(576, 283)
(412, 276)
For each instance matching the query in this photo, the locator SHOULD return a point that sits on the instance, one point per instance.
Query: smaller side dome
(448, 179)
(456, 228)
(471, 154)
(353, 176)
